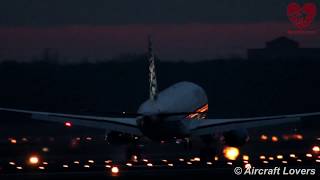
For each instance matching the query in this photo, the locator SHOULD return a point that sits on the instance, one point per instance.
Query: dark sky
(182, 29)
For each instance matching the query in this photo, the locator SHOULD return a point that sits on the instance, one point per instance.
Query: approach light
(274, 139)
(231, 153)
(263, 137)
(316, 149)
(115, 170)
(33, 160)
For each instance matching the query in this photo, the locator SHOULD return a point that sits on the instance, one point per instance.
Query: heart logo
(302, 17)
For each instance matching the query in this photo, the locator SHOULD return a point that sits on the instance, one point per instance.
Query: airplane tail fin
(152, 72)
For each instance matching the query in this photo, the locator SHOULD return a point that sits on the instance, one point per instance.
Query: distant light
(91, 161)
(65, 166)
(108, 161)
(316, 149)
(145, 160)
(265, 162)
(150, 164)
(196, 159)
(216, 158)
(285, 162)
(245, 157)
(45, 149)
(247, 166)
(271, 158)
(209, 163)
(134, 158)
(19, 167)
(86, 166)
(181, 159)
(292, 155)
(299, 160)
(262, 157)
(298, 136)
(33, 160)
(318, 160)
(68, 124)
(263, 137)
(12, 163)
(274, 139)
(246, 162)
(44, 163)
(231, 153)
(76, 162)
(309, 155)
(285, 137)
(279, 156)
(78, 138)
(189, 163)
(170, 164)
(13, 141)
(318, 138)
(108, 166)
(41, 167)
(88, 138)
(129, 164)
(164, 160)
(24, 139)
(115, 170)
(229, 163)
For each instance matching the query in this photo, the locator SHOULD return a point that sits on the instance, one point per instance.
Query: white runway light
(34, 160)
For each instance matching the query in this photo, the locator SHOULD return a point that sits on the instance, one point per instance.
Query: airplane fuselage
(184, 97)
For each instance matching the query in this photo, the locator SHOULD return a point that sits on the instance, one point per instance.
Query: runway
(83, 153)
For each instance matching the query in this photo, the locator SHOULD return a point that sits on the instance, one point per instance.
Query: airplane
(178, 112)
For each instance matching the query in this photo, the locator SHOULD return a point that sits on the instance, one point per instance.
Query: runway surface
(83, 153)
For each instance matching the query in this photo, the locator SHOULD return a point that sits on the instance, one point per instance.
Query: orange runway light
(280, 156)
(33, 160)
(13, 141)
(298, 136)
(316, 149)
(274, 139)
(231, 153)
(263, 137)
(115, 171)
(245, 157)
(262, 157)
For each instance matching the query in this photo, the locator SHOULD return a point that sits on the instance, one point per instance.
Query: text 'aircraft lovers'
(178, 112)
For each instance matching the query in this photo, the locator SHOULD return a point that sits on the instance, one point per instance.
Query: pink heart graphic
(302, 17)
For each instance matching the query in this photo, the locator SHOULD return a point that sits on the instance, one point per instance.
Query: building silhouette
(283, 48)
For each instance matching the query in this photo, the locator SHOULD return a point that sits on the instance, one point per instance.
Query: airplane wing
(125, 125)
(208, 126)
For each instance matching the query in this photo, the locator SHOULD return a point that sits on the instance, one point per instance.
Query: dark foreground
(82, 153)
